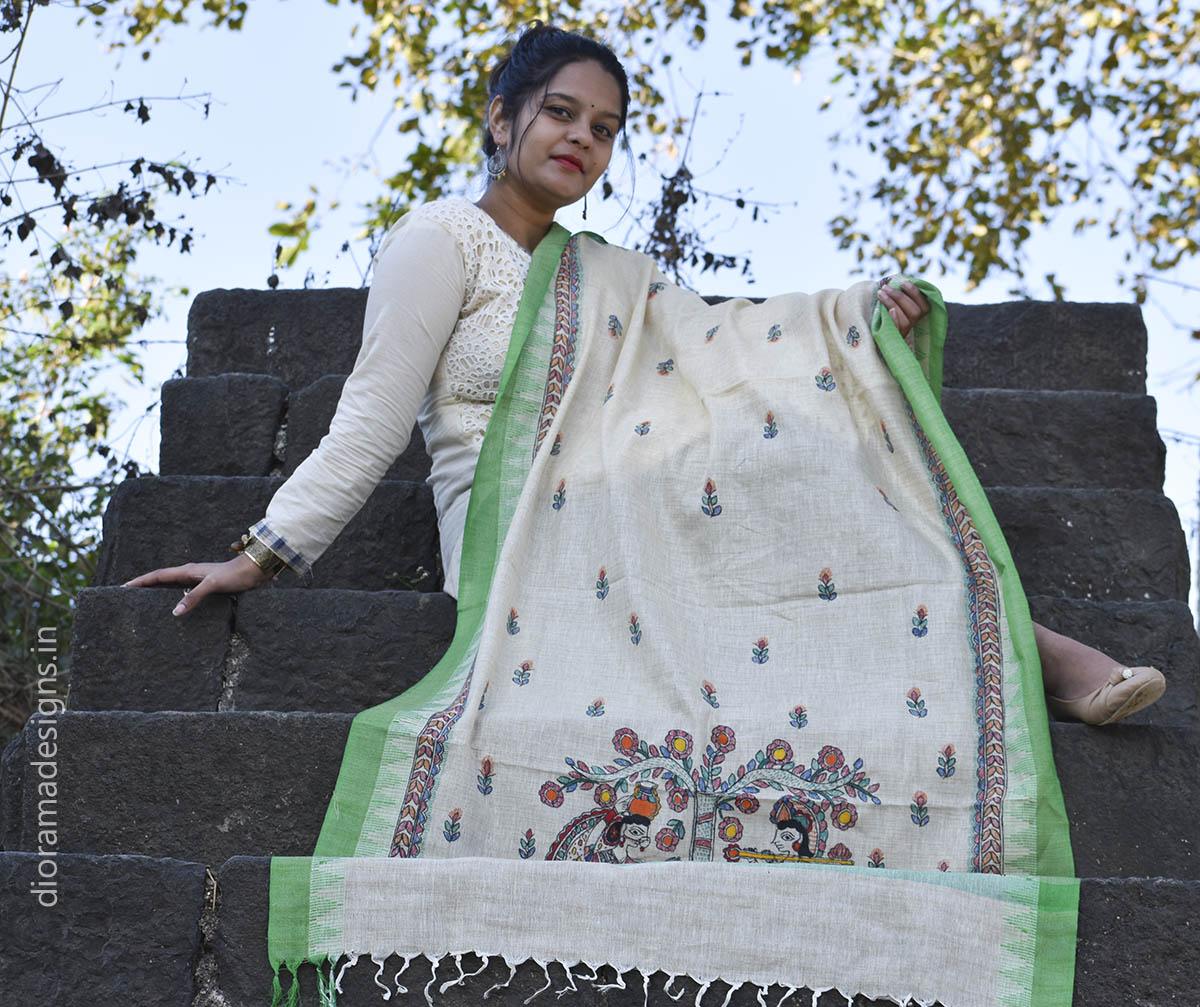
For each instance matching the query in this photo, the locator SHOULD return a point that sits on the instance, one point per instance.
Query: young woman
(440, 310)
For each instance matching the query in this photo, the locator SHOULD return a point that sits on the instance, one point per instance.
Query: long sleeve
(416, 296)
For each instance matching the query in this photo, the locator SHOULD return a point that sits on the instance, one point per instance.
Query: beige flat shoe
(1126, 691)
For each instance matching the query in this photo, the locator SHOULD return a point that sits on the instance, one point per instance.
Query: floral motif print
(666, 366)
(484, 778)
(918, 811)
(602, 584)
(641, 429)
(521, 673)
(560, 495)
(774, 333)
(824, 380)
(596, 708)
(946, 761)
(615, 328)
(708, 502)
(655, 288)
(920, 622)
(528, 847)
(875, 859)
(710, 333)
(770, 428)
(513, 626)
(826, 589)
(450, 827)
(853, 337)
(798, 718)
(709, 692)
(915, 704)
(635, 629)
(758, 653)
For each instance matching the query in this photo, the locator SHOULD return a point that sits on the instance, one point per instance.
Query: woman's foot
(1084, 684)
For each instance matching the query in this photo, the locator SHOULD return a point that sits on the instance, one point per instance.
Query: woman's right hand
(238, 574)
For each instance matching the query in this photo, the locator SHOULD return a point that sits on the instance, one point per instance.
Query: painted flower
(915, 704)
(641, 429)
(841, 852)
(747, 804)
(551, 794)
(730, 830)
(779, 752)
(625, 741)
(666, 366)
(758, 653)
(710, 333)
(605, 796)
(798, 717)
(943, 865)
(920, 622)
(845, 816)
(723, 738)
(680, 743)
(946, 762)
(773, 334)
(831, 758)
(824, 380)
(875, 859)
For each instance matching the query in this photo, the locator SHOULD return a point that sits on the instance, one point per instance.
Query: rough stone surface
(222, 425)
(302, 335)
(128, 652)
(1138, 944)
(1128, 790)
(337, 651)
(296, 335)
(1022, 438)
(1110, 545)
(151, 522)
(12, 766)
(1159, 634)
(1104, 544)
(310, 411)
(124, 931)
(259, 784)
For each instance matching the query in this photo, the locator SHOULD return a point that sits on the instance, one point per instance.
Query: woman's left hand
(907, 306)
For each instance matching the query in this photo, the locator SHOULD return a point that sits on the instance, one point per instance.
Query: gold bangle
(268, 561)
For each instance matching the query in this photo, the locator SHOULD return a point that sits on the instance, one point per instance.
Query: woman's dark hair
(540, 52)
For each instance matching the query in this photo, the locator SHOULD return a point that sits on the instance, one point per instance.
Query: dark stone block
(1046, 344)
(125, 930)
(1137, 945)
(211, 784)
(12, 766)
(1159, 634)
(336, 651)
(1130, 792)
(223, 425)
(152, 522)
(296, 335)
(1109, 545)
(1046, 438)
(310, 411)
(128, 652)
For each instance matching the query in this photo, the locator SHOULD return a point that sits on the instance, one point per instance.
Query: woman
(632, 571)
(549, 151)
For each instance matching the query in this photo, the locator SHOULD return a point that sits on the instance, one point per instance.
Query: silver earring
(497, 163)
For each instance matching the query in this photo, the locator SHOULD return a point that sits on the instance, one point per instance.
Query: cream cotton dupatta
(743, 685)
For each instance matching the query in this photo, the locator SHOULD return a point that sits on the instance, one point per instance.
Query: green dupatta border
(288, 903)
(919, 374)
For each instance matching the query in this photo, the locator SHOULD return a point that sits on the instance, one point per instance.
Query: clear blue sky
(278, 122)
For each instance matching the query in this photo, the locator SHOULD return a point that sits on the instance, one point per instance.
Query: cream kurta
(439, 315)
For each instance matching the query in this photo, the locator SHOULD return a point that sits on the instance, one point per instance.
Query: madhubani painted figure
(816, 795)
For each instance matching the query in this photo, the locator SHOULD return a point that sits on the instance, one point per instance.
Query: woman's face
(580, 120)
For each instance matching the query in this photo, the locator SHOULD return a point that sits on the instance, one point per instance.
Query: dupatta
(743, 685)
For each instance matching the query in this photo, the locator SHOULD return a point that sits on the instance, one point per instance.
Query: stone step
(249, 425)
(1136, 945)
(301, 335)
(124, 929)
(333, 650)
(1106, 544)
(133, 929)
(207, 786)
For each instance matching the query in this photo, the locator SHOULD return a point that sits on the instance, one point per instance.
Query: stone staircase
(194, 749)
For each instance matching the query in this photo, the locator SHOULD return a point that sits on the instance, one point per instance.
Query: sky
(278, 123)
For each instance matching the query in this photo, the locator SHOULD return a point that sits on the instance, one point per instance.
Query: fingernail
(178, 609)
